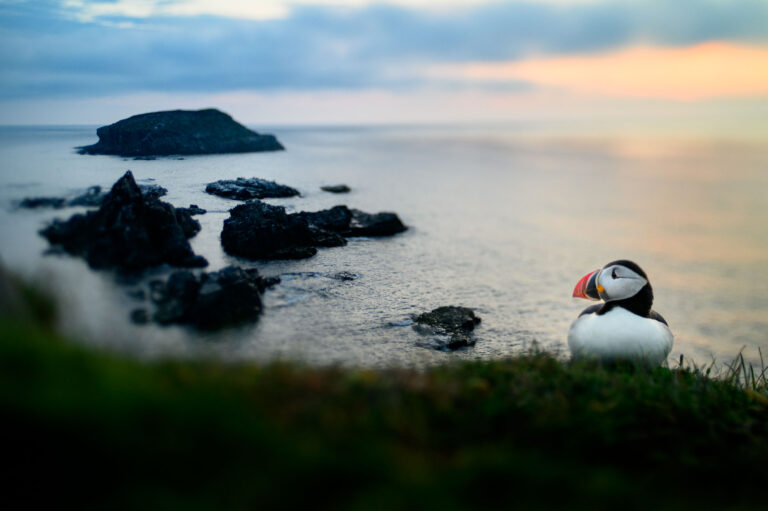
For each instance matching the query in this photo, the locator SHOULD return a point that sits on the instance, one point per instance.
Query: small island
(179, 132)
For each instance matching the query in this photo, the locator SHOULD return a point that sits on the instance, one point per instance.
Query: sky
(386, 61)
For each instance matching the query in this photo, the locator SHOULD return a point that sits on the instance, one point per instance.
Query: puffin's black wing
(591, 309)
(658, 317)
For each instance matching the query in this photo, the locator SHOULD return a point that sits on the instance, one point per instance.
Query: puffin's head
(618, 280)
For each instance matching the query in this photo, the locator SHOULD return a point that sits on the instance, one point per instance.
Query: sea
(504, 219)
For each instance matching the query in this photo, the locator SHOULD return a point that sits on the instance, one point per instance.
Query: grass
(530, 432)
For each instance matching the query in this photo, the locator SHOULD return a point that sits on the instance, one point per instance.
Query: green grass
(530, 432)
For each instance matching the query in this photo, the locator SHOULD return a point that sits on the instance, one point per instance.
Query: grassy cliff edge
(103, 430)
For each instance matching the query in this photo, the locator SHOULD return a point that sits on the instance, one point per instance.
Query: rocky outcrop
(246, 189)
(353, 222)
(257, 230)
(91, 198)
(128, 232)
(450, 327)
(179, 132)
(210, 301)
(336, 189)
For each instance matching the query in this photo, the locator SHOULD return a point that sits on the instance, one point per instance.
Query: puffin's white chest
(620, 335)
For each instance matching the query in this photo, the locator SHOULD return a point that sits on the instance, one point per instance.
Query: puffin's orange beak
(586, 287)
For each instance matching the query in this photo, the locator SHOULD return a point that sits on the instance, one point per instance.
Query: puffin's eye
(613, 274)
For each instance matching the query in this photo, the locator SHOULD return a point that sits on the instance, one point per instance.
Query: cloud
(86, 10)
(702, 71)
(50, 48)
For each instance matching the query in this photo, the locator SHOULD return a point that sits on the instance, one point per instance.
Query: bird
(624, 328)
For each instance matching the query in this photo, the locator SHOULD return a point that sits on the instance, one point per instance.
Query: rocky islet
(179, 132)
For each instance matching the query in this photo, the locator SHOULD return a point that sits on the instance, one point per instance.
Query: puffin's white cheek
(619, 289)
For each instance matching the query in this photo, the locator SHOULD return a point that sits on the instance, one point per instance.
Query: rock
(152, 191)
(323, 238)
(336, 189)
(261, 231)
(92, 197)
(453, 325)
(179, 132)
(42, 202)
(352, 222)
(189, 225)
(140, 316)
(378, 224)
(336, 219)
(194, 209)
(128, 232)
(253, 188)
(257, 230)
(137, 294)
(344, 275)
(211, 301)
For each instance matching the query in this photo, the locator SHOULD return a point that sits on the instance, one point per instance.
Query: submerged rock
(249, 188)
(210, 301)
(336, 189)
(344, 276)
(452, 325)
(128, 232)
(92, 198)
(178, 132)
(257, 230)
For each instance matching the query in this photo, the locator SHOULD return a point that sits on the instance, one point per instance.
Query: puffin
(624, 327)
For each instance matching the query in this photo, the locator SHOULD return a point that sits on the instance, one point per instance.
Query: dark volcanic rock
(336, 189)
(43, 202)
(253, 188)
(188, 225)
(345, 275)
(352, 222)
(378, 224)
(152, 191)
(260, 231)
(92, 198)
(336, 219)
(455, 324)
(194, 209)
(179, 132)
(128, 232)
(211, 301)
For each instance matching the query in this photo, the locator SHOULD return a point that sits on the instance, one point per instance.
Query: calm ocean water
(502, 220)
